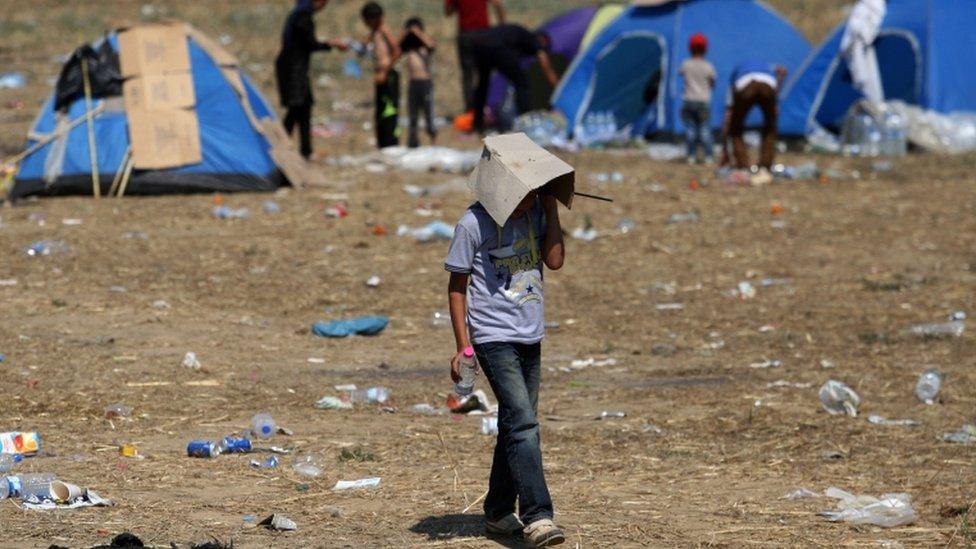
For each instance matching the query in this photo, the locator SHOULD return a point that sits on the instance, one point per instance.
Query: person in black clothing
(502, 49)
(298, 42)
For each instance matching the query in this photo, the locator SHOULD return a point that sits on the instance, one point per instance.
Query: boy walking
(696, 100)
(418, 47)
(496, 302)
(386, 52)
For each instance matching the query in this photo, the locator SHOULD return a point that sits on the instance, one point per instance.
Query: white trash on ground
(888, 511)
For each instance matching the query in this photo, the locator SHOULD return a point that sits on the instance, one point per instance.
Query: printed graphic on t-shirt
(518, 270)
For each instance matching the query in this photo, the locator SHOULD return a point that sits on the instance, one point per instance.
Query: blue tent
(235, 131)
(615, 69)
(925, 52)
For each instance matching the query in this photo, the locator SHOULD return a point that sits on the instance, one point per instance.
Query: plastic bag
(888, 511)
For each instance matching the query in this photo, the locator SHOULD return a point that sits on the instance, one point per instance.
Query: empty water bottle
(467, 368)
(30, 485)
(263, 426)
(7, 462)
(47, 247)
(837, 398)
(928, 385)
(373, 394)
(939, 329)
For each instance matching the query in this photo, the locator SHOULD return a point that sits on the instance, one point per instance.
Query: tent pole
(118, 174)
(125, 177)
(51, 137)
(92, 152)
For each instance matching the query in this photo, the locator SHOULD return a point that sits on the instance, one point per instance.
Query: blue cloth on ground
(364, 325)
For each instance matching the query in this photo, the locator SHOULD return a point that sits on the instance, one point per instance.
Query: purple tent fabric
(565, 31)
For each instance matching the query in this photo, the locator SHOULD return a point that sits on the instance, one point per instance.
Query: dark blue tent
(236, 130)
(925, 52)
(613, 72)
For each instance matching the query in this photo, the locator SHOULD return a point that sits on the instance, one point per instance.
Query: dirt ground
(865, 256)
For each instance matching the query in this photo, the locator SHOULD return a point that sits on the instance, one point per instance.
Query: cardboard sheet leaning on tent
(511, 166)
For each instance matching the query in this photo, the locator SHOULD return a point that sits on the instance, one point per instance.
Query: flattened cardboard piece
(153, 49)
(159, 91)
(164, 138)
(291, 164)
(512, 165)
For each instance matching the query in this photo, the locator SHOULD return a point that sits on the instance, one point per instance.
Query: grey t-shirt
(505, 299)
(699, 78)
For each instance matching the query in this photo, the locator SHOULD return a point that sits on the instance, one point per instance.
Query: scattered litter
(607, 177)
(306, 466)
(160, 304)
(129, 451)
(807, 170)
(954, 327)
(191, 362)
(964, 435)
(790, 384)
(337, 211)
(745, 290)
(87, 499)
(225, 212)
(117, 411)
(373, 281)
(649, 428)
(356, 484)
(435, 230)
(489, 425)
(13, 80)
(456, 185)
(365, 326)
(333, 403)
(586, 234)
(580, 364)
(801, 493)
(889, 511)
(837, 398)
(316, 360)
(440, 318)
(270, 207)
(47, 247)
(118, 289)
(474, 404)
(202, 449)
(420, 159)
(878, 420)
(928, 386)
(8, 281)
(669, 306)
(665, 152)
(269, 462)
(606, 414)
(371, 395)
(71, 222)
(20, 443)
(626, 225)
(767, 282)
(352, 68)
(427, 410)
(263, 426)
(766, 364)
(689, 217)
(278, 522)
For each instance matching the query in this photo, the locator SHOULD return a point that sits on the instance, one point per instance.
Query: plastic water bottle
(928, 385)
(373, 394)
(7, 462)
(27, 485)
(467, 370)
(837, 398)
(263, 426)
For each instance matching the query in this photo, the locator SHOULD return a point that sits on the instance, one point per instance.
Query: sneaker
(509, 525)
(543, 533)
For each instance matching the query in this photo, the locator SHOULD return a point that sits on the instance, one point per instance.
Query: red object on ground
(464, 122)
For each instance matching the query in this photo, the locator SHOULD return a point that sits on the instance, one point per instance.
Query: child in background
(417, 47)
(386, 52)
(696, 111)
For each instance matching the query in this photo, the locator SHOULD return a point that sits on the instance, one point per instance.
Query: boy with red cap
(696, 106)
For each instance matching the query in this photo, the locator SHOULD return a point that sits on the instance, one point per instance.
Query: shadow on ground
(445, 527)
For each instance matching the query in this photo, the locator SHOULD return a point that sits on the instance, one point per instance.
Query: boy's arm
(499, 11)
(425, 38)
(546, 67)
(553, 249)
(457, 290)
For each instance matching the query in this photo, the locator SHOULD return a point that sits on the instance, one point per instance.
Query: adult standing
(753, 83)
(502, 49)
(472, 17)
(298, 42)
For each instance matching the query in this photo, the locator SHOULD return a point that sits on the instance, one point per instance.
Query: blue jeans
(696, 116)
(514, 370)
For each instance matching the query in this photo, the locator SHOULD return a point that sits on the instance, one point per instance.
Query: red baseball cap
(698, 42)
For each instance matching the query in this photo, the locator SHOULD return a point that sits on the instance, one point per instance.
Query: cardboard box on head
(511, 166)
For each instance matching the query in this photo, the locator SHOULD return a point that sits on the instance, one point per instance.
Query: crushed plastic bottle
(117, 411)
(965, 435)
(47, 247)
(7, 462)
(468, 368)
(190, 361)
(28, 486)
(263, 426)
(269, 462)
(928, 385)
(306, 466)
(440, 318)
(689, 217)
(225, 212)
(837, 398)
(952, 328)
(489, 425)
(435, 230)
(888, 511)
(373, 394)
